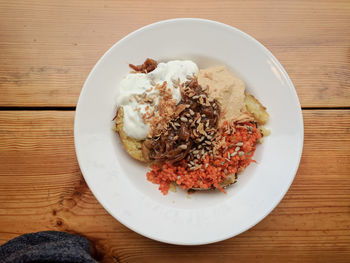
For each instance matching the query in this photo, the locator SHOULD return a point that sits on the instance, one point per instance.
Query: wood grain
(49, 47)
(41, 188)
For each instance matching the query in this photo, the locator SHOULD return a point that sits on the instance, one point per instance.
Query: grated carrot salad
(213, 170)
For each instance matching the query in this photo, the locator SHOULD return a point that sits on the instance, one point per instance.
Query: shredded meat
(148, 66)
(173, 140)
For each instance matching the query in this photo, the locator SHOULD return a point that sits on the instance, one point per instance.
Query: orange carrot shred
(213, 170)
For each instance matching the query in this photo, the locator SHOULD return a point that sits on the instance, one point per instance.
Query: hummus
(225, 88)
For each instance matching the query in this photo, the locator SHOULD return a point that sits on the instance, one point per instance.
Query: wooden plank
(41, 188)
(49, 47)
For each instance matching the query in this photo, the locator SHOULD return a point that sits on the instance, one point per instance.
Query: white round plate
(119, 183)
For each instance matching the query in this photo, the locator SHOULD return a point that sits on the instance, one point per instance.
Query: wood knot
(59, 222)
(69, 203)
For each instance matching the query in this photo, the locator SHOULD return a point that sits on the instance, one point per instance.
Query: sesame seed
(184, 119)
(195, 97)
(183, 146)
(233, 154)
(237, 149)
(239, 144)
(240, 153)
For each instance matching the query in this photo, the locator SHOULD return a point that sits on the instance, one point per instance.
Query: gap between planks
(18, 108)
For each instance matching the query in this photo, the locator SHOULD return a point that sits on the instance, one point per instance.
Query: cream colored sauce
(143, 84)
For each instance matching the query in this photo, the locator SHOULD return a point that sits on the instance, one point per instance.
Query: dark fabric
(46, 246)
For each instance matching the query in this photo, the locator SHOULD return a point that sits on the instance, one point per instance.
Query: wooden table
(47, 51)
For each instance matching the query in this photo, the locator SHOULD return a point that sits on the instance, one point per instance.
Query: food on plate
(133, 146)
(197, 129)
(256, 108)
(225, 88)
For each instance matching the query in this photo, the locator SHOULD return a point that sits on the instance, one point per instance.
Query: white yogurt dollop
(139, 84)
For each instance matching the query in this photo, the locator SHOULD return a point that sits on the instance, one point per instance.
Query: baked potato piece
(256, 108)
(131, 145)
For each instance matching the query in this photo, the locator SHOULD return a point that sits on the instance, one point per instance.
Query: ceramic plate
(119, 183)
